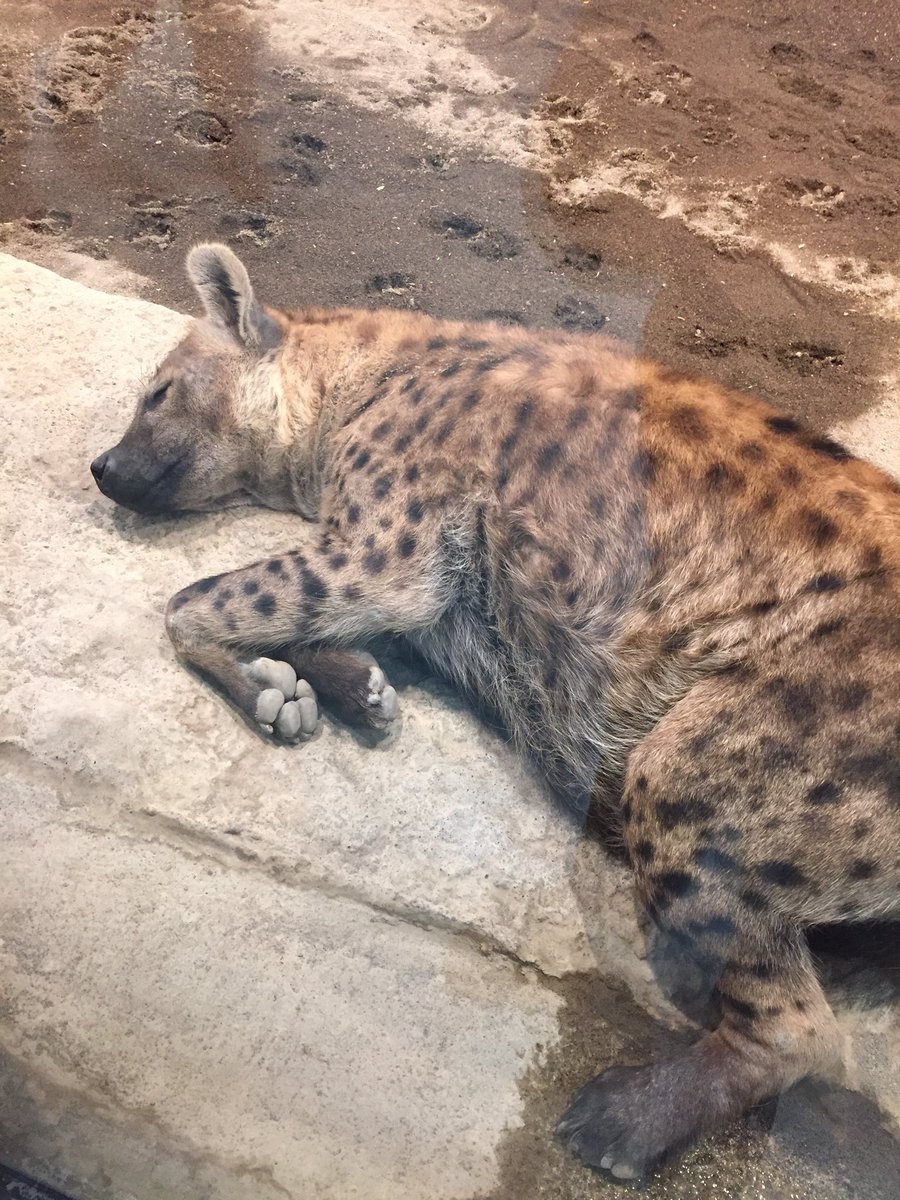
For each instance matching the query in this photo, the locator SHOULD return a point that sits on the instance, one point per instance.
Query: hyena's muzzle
(135, 477)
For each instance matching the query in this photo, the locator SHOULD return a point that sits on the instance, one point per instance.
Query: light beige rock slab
(228, 1036)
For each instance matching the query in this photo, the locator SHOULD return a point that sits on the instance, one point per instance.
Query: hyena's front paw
(285, 705)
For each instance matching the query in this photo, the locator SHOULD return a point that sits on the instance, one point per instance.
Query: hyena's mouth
(131, 487)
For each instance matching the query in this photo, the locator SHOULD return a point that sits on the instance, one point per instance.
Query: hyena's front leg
(301, 611)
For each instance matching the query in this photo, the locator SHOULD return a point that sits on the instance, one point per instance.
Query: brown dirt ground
(717, 183)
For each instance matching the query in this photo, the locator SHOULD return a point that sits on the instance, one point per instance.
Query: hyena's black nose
(98, 466)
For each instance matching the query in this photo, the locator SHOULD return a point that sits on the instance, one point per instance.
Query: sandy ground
(719, 185)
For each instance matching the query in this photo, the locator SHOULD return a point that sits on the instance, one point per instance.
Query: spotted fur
(680, 602)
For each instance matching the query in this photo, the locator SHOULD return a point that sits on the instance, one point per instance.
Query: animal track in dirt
(152, 222)
(203, 127)
(792, 140)
(85, 67)
(394, 288)
(587, 261)
(787, 53)
(808, 357)
(302, 162)
(503, 316)
(712, 346)
(246, 226)
(811, 90)
(486, 243)
(51, 222)
(878, 141)
(823, 198)
(575, 313)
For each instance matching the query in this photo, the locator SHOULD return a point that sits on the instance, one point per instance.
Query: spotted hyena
(684, 605)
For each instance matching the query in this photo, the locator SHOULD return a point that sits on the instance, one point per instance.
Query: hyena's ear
(224, 286)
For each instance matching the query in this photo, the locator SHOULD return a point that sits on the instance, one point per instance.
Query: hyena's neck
(280, 419)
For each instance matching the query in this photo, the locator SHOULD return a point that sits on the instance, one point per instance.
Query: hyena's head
(190, 444)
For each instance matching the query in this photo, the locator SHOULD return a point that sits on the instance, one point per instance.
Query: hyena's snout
(139, 480)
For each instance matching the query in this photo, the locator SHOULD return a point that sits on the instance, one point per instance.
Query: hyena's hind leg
(716, 848)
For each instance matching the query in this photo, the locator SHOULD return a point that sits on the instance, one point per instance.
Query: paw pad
(285, 704)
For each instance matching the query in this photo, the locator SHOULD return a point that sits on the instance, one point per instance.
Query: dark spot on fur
(711, 859)
(640, 784)
(206, 585)
(353, 514)
(821, 529)
(402, 443)
(548, 457)
(717, 926)
(452, 368)
(752, 451)
(862, 868)
(861, 829)
(673, 885)
(417, 397)
(361, 459)
(219, 603)
(781, 872)
(828, 581)
(644, 852)
(337, 561)
(790, 475)
(829, 447)
(827, 628)
(422, 423)
(382, 486)
(687, 422)
(763, 607)
(676, 641)
(251, 587)
(720, 478)
(691, 811)
(742, 1007)
(411, 474)
(560, 571)
(180, 601)
(314, 586)
(408, 385)
(351, 592)
(444, 432)
(265, 604)
(415, 510)
(783, 425)
(436, 343)
(852, 697)
(754, 900)
(382, 430)
(374, 562)
(644, 465)
(275, 566)
(406, 545)
(470, 400)
(827, 792)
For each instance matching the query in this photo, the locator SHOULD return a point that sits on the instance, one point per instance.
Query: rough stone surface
(226, 964)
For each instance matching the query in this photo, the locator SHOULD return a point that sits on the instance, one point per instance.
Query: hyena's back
(619, 530)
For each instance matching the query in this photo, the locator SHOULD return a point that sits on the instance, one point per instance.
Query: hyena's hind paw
(381, 699)
(285, 705)
(349, 682)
